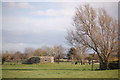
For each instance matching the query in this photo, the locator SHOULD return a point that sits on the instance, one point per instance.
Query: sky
(37, 24)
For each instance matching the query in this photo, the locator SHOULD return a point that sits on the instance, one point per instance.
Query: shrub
(114, 65)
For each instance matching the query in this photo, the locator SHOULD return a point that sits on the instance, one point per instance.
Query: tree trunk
(104, 65)
(81, 62)
(58, 60)
(3, 62)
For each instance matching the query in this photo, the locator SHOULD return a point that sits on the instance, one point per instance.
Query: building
(39, 59)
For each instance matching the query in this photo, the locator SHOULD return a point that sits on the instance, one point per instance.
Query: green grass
(62, 70)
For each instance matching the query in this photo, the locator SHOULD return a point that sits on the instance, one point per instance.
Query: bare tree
(81, 52)
(49, 50)
(17, 56)
(96, 30)
(6, 56)
(40, 52)
(28, 52)
(59, 52)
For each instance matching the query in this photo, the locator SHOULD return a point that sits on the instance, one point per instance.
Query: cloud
(13, 5)
(25, 5)
(17, 46)
(35, 25)
(53, 12)
(33, 31)
(20, 42)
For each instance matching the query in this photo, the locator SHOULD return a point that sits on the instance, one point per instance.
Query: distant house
(39, 59)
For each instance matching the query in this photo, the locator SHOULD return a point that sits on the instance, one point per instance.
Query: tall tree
(95, 29)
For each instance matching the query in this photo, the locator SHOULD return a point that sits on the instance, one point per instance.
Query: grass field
(49, 70)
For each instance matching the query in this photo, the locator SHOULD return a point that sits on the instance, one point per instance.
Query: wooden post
(92, 64)
(92, 56)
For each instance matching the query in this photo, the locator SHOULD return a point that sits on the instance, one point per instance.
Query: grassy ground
(62, 70)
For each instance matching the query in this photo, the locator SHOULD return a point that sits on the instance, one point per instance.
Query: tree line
(73, 54)
(10, 56)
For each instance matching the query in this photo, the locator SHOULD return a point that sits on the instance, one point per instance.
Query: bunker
(39, 59)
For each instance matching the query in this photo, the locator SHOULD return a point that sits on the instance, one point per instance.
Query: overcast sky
(37, 24)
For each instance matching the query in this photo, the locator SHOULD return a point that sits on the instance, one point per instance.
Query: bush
(114, 65)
